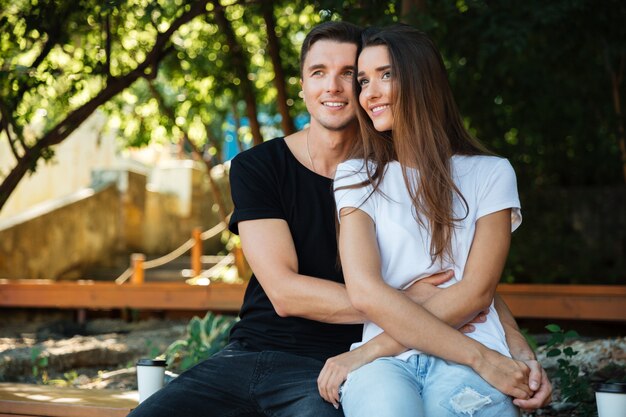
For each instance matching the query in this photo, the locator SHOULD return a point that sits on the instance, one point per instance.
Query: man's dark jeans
(240, 383)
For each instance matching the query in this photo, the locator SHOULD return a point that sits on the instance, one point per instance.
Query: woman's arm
(474, 293)
(520, 350)
(408, 323)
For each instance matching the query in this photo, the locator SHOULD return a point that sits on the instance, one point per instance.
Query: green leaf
(553, 328)
(553, 352)
(568, 351)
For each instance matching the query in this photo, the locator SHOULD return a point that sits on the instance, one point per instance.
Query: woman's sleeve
(498, 192)
(350, 191)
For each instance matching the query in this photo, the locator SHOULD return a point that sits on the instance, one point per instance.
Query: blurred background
(124, 106)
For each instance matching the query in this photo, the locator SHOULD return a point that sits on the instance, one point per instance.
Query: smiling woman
(425, 197)
(376, 82)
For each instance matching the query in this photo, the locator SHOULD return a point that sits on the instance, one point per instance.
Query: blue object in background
(231, 149)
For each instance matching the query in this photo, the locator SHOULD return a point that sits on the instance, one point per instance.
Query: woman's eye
(386, 75)
(362, 82)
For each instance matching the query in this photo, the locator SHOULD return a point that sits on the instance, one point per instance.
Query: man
(296, 312)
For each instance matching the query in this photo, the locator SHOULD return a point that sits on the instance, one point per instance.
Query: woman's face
(376, 81)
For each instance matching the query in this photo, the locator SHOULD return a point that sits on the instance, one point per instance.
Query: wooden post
(240, 262)
(137, 260)
(196, 251)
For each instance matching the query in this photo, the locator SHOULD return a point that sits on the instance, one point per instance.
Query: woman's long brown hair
(427, 130)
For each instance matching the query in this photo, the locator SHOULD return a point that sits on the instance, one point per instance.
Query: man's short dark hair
(330, 31)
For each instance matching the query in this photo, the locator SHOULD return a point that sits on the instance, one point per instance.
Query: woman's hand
(509, 376)
(336, 370)
(540, 384)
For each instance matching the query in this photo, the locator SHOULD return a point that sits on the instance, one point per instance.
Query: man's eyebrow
(322, 66)
(316, 66)
(379, 69)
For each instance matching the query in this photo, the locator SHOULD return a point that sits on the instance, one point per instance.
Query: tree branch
(5, 124)
(169, 112)
(58, 133)
(107, 45)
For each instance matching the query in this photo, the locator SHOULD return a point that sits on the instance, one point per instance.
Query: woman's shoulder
(352, 166)
(480, 164)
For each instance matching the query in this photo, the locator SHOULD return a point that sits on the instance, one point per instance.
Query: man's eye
(349, 73)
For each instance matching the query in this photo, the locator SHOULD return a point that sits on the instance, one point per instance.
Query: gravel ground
(103, 354)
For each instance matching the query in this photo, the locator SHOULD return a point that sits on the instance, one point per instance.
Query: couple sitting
(425, 220)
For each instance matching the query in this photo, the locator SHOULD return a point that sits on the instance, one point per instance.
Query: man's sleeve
(255, 193)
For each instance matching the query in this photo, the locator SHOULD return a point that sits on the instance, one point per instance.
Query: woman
(429, 198)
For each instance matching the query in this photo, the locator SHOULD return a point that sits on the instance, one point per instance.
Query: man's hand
(469, 326)
(421, 290)
(538, 382)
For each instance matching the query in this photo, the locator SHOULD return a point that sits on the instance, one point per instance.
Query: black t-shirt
(268, 182)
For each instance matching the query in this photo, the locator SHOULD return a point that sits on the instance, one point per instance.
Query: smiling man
(284, 212)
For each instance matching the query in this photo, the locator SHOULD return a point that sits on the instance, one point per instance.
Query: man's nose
(333, 84)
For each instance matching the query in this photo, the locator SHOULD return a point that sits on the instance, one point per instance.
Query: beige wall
(89, 147)
(121, 214)
(63, 240)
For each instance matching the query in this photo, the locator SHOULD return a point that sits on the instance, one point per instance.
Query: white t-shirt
(487, 183)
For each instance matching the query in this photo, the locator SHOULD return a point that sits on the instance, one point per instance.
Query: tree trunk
(115, 85)
(215, 191)
(240, 66)
(237, 126)
(279, 75)
(617, 77)
(410, 8)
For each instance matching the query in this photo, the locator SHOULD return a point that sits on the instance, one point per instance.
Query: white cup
(611, 399)
(150, 376)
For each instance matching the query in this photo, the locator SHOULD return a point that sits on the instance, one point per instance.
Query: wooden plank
(51, 401)
(97, 295)
(575, 302)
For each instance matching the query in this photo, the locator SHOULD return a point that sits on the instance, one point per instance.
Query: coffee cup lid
(612, 387)
(151, 362)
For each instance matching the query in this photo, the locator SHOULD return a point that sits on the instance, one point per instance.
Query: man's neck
(327, 148)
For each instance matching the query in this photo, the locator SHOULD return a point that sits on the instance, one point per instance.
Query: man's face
(327, 76)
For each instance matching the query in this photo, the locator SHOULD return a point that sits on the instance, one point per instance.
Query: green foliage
(153, 350)
(533, 80)
(69, 379)
(40, 364)
(574, 387)
(205, 337)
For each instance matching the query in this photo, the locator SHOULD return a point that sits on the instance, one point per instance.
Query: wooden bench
(25, 400)
(578, 302)
(39, 293)
(572, 302)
